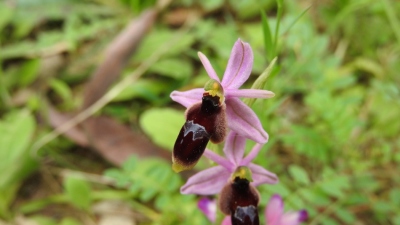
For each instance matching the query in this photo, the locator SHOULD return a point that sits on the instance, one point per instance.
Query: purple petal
(239, 66)
(227, 221)
(248, 93)
(294, 218)
(187, 98)
(252, 154)
(208, 207)
(219, 160)
(206, 182)
(303, 215)
(244, 121)
(207, 65)
(234, 148)
(274, 210)
(262, 176)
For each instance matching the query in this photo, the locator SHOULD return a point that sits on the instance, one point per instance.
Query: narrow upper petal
(228, 165)
(252, 154)
(293, 218)
(206, 182)
(234, 147)
(207, 65)
(274, 210)
(239, 66)
(187, 98)
(244, 121)
(262, 176)
(248, 93)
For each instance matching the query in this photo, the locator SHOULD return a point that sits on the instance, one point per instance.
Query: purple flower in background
(239, 116)
(208, 207)
(211, 181)
(275, 216)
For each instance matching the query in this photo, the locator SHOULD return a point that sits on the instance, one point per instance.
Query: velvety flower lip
(210, 181)
(240, 117)
(275, 216)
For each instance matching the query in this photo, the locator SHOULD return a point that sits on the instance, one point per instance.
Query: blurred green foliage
(333, 123)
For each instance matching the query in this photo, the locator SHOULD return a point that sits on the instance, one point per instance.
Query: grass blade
(261, 80)
(278, 21)
(269, 47)
(297, 18)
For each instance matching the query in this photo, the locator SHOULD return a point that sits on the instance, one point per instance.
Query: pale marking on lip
(199, 132)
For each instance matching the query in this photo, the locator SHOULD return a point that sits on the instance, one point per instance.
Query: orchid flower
(210, 181)
(240, 117)
(275, 216)
(208, 207)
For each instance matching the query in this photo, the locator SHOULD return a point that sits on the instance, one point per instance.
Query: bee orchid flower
(274, 214)
(240, 117)
(210, 181)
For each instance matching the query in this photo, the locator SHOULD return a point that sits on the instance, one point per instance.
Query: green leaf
(279, 188)
(156, 40)
(121, 180)
(6, 13)
(43, 220)
(396, 219)
(395, 196)
(61, 88)
(78, 192)
(29, 72)
(221, 40)
(148, 194)
(315, 196)
(345, 215)
(175, 68)
(162, 125)
(69, 221)
(143, 88)
(309, 142)
(329, 221)
(210, 5)
(335, 186)
(163, 201)
(16, 129)
(299, 174)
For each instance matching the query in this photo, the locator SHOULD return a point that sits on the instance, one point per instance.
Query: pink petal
(220, 160)
(187, 98)
(239, 66)
(207, 65)
(244, 121)
(274, 210)
(293, 218)
(248, 93)
(262, 176)
(206, 182)
(234, 147)
(252, 154)
(227, 221)
(208, 207)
